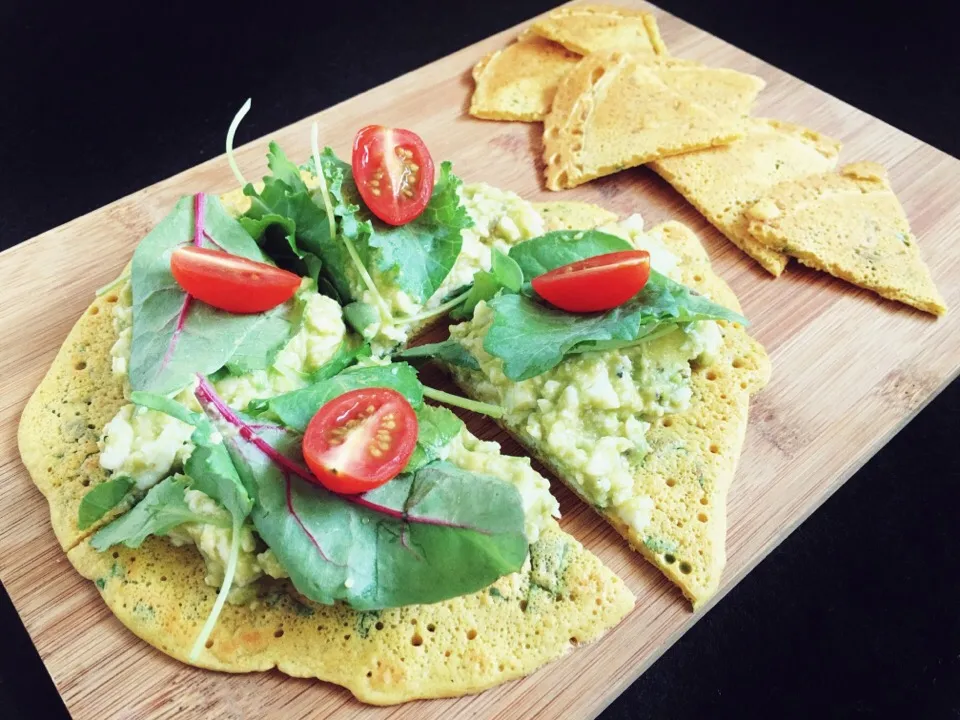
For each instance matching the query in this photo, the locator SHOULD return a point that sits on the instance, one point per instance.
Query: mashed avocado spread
(590, 414)
(148, 445)
(501, 219)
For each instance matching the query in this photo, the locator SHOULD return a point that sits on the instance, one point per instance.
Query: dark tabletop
(855, 614)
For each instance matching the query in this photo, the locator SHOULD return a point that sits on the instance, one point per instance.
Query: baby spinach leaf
(209, 467)
(162, 509)
(420, 253)
(296, 409)
(211, 471)
(259, 347)
(174, 335)
(101, 500)
(437, 427)
(345, 356)
(562, 247)
(449, 351)
(426, 536)
(504, 273)
(360, 316)
(532, 337)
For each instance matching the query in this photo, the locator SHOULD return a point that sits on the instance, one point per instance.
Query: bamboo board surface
(849, 371)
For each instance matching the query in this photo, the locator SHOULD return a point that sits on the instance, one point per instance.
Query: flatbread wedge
(685, 538)
(564, 596)
(851, 225)
(723, 182)
(519, 82)
(588, 28)
(613, 112)
(572, 215)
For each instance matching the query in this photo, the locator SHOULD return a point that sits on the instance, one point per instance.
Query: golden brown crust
(519, 82)
(851, 225)
(585, 29)
(612, 112)
(722, 183)
(452, 648)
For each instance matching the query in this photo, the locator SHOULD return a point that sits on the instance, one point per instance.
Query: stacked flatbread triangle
(611, 98)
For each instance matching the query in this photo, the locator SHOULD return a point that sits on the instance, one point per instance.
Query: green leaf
(426, 536)
(346, 355)
(531, 337)
(420, 253)
(209, 467)
(562, 247)
(101, 500)
(296, 409)
(162, 509)
(175, 336)
(504, 273)
(437, 427)
(286, 207)
(506, 270)
(449, 351)
(360, 316)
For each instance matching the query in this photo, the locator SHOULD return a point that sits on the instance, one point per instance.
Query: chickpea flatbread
(672, 509)
(723, 182)
(613, 112)
(851, 225)
(519, 82)
(588, 28)
(163, 590)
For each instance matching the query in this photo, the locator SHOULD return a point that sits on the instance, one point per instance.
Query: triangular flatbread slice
(851, 225)
(694, 454)
(723, 182)
(588, 28)
(612, 112)
(519, 82)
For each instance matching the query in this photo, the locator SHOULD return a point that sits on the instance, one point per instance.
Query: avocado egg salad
(238, 450)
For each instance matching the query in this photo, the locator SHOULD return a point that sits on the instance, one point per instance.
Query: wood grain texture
(849, 371)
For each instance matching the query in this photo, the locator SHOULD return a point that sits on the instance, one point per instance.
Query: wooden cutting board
(849, 371)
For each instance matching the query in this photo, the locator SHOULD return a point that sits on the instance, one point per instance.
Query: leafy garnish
(346, 355)
(210, 471)
(532, 337)
(285, 220)
(436, 428)
(562, 247)
(361, 317)
(175, 336)
(449, 351)
(426, 536)
(296, 409)
(504, 273)
(101, 500)
(419, 254)
(162, 509)
(231, 133)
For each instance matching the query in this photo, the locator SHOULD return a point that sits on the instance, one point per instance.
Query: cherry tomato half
(360, 440)
(393, 171)
(598, 283)
(231, 282)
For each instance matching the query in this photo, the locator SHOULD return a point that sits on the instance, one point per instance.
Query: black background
(855, 614)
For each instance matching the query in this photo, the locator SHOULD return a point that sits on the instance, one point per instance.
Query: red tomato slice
(231, 282)
(360, 440)
(598, 283)
(393, 171)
